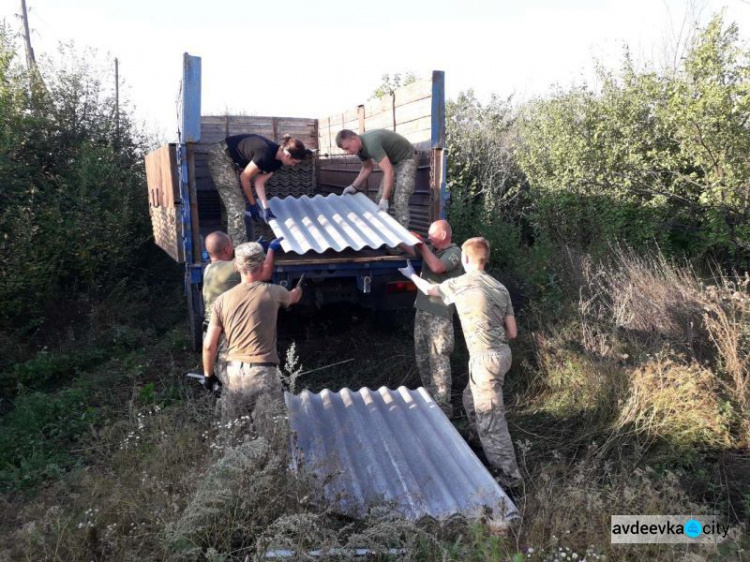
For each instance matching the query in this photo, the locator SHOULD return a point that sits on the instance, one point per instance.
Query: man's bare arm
(361, 180)
(296, 295)
(210, 348)
(266, 272)
(388, 173)
(428, 257)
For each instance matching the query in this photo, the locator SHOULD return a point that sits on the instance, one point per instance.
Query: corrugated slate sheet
(392, 447)
(334, 222)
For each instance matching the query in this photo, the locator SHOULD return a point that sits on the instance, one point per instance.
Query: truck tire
(195, 315)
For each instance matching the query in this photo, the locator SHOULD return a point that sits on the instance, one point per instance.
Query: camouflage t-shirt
(482, 303)
(379, 143)
(248, 315)
(218, 278)
(451, 258)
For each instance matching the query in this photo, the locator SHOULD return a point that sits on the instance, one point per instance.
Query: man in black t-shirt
(255, 158)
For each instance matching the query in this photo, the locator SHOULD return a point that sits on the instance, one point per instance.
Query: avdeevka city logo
(693, 528)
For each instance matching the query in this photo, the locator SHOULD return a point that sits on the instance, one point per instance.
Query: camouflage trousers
(433, 345)
(404, 178)
(256, 391)
(227, 182)
(483, 401)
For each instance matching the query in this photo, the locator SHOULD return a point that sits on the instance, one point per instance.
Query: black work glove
(209, 382)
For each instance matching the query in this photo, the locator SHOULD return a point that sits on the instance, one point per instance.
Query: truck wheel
(195, 312)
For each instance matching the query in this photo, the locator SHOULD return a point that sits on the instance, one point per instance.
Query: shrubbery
(73, 215)
(651, 158)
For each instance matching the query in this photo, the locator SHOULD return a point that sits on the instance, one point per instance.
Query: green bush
(73, 215)
(650, 158)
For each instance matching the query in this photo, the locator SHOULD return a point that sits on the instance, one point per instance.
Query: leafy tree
(390, 83)
(485, 182)
(650, 157)
(73, 218)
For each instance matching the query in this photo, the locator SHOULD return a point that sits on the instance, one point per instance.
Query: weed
(37, 437)
(292, 368)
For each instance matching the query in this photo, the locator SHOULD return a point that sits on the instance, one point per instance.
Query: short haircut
(249, 257)
(344, 134)
(442, 225)
(478, 250)
(216, 242)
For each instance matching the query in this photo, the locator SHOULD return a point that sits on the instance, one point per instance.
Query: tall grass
(615, 408)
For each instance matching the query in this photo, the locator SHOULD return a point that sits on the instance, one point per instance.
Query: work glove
(268, 215)
(209, 383)
(383, 205)
(275, 244)
(417, 235)
(254, 211)
(349, 190)
(407, 271)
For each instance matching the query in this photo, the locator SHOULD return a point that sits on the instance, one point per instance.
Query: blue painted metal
(343, 269)
(187, 226)
(191, 98)
(438, 133)
(190, 131)
(339, 270)
(438, 109)
(444, 195)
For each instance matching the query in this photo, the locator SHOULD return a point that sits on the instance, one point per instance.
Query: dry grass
(610, 386)
(685, 341)
(568, 503)
(626, 400)
(677, 402)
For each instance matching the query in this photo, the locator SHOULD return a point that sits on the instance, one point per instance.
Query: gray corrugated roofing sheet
(334, 222)
(392, 446)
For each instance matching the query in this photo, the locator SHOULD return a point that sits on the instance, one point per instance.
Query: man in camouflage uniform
(247, 315)
(397, 159)
(488, 322)
(433, 321)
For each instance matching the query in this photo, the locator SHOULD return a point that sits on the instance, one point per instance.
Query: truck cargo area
(185, 205)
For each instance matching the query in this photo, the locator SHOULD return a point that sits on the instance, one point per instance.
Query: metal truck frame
(185, 206)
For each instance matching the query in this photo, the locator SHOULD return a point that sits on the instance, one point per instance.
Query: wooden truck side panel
(164, 200)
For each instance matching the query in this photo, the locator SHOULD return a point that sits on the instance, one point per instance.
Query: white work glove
(407, 271)
(349, 190)
(383, 205)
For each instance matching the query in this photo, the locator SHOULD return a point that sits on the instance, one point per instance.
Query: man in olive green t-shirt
(433, 322)
(486, 313)
(219, 276)
(397, 159)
